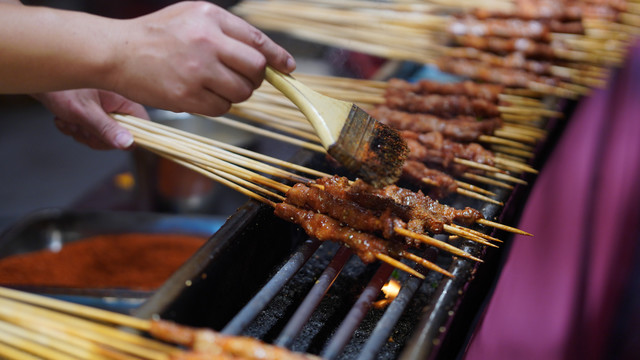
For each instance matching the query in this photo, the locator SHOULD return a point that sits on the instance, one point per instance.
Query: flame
(390, 290)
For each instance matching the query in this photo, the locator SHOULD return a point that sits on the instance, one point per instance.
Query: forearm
(45, 49)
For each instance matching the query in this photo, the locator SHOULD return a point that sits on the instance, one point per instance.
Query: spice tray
(53, 228)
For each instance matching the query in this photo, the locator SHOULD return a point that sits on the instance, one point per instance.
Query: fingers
(116, 135)
(80, 135)
(83, 115)
(274, 54)
(100, 132)
(205, 102)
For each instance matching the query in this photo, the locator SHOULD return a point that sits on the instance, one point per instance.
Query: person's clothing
(560, 292)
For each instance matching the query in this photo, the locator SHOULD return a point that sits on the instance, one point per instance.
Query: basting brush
(369, 149)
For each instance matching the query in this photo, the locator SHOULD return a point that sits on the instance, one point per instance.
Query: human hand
(83, 115)
(193, 57)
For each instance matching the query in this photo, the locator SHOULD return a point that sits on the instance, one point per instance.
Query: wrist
(102, 54)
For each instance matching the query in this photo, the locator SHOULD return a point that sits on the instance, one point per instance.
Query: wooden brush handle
(327, 115)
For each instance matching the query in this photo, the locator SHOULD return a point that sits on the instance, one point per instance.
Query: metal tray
(53, 228)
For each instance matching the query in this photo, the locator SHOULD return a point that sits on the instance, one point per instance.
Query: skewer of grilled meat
(326, 228)
(513, 27)
(515, 60)
(442, 105)
(461, 128)
(433, 148)
(451, 106)
(559, 48)
(346, 212)
(489, 92)
(208, 344)
(533, 29)
(499, 45)
(557, 10)
(453, 100)
(441, 184)
(509, 77)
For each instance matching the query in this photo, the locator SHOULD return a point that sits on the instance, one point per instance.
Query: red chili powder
(130, 261)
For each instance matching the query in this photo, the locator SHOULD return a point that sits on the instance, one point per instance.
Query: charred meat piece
(440, 184)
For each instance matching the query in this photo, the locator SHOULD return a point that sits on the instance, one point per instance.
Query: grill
(262, 277)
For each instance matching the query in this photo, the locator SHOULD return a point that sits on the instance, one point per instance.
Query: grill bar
(313, 298)
(385, 325)
(271, 289)
(357, 313)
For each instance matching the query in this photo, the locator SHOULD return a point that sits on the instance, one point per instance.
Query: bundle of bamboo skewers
(40, 327)
(567, 61)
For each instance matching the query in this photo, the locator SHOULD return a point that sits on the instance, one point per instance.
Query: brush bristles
(371, 150)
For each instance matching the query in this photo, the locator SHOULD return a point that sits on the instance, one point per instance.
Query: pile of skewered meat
(555, 47)
(442, 124)
(373, 222)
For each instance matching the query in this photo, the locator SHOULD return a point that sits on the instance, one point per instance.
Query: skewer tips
(503, 227)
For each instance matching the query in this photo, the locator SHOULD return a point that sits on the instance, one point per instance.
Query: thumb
(115, 134)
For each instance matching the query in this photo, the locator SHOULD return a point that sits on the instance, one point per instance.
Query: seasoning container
(165, 186)
(107, 259)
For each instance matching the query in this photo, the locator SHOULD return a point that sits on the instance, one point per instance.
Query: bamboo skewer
(467, 192)
(58, 345)
(426, 264)
(509, 135)
(475, 188)
(399, 265)
(84, 329)
(437, 243)
(467, 235)
(503, 227)
(477, 233)
(244, 152)
(10, 352)
(505, 152)
(27, 344)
